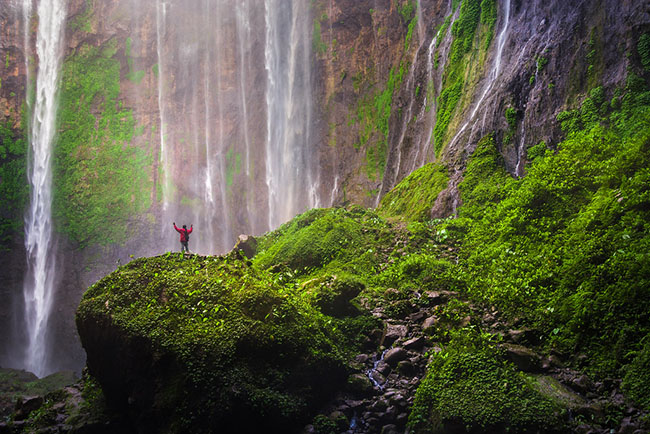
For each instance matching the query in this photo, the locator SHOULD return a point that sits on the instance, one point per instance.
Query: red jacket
(182, 232)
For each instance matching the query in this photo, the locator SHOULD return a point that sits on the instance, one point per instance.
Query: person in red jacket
(185, 236)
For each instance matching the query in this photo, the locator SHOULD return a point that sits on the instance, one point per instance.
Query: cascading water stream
(494, 71)
(40, 278)
(289, 170)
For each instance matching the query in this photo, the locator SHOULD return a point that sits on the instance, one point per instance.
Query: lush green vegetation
(14, 191)
(100, 178)
(463, 30)
(566, 246)
(469, 383)
(415, 195)
(643, 47)
(372, 117)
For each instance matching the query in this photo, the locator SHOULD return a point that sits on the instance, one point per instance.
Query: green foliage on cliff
(100, 179)
(463, 31)
(14, 191)
(326, 239)
(372, 117)
(637, 377)
(414, 196)
(567, 246)
(643, 47)
(470, 384)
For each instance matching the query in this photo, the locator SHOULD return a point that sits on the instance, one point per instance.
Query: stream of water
(40, 278)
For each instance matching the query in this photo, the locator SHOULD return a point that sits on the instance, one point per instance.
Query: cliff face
(234, 118)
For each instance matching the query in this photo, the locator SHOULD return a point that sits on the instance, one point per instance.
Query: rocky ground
(382, 390)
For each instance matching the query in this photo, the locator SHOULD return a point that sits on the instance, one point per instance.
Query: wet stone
(405, 367)
(383, 368)
(415, 344)
(395, 355)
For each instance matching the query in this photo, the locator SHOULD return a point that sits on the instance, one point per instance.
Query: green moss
(318, 45)
(133, 75)
(407, 10)
(643, 47)
(14, 190)
(463, 32)
(233, 166)
(469, 383)
(541, 63)
(82, 21)
(566, 246)
(249, 348)
(372, 117)
(489, 19)
(484, 180)
(637, 377)
(413, 198)
(100, 179)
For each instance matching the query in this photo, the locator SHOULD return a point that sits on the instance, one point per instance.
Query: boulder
(414, 344)
(246, 244)
(26, 405)
(394, 332)
(395, 355)
(524, 358)
(429, 324)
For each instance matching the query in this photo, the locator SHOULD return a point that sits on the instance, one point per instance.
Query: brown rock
(395, 355)
(524, 358)
(415, 343)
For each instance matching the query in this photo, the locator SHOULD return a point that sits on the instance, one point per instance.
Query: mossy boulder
(184, 345)
(471, 387)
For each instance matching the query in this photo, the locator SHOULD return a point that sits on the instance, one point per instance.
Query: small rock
(378, 377)
(429, 324)
(379, 406)
(417, 316)
(383, 368)
(398, 400)
(627, 426)
(401, 419)
(247, 244)
(395, 355)
(415, 343)
(582, 384)
(359, 383)
(396, 331)
(391, 412)
(524, 358)
(435, 297)
(361, 358)
(389, 429)
(26, 405)
(405, 367)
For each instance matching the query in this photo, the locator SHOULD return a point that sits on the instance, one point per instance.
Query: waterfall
(40, 278)
(494, 71)
(291, 182)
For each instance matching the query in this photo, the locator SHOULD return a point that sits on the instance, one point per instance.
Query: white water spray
(289, 175)
(40, 278)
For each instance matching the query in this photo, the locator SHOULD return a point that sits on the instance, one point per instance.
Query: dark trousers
(184, 247)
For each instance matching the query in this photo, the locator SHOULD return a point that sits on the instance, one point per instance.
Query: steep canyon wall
(235, 116)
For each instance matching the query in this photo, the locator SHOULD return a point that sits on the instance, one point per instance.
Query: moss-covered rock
(186, 345)
(414, 197)
(470, 387)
